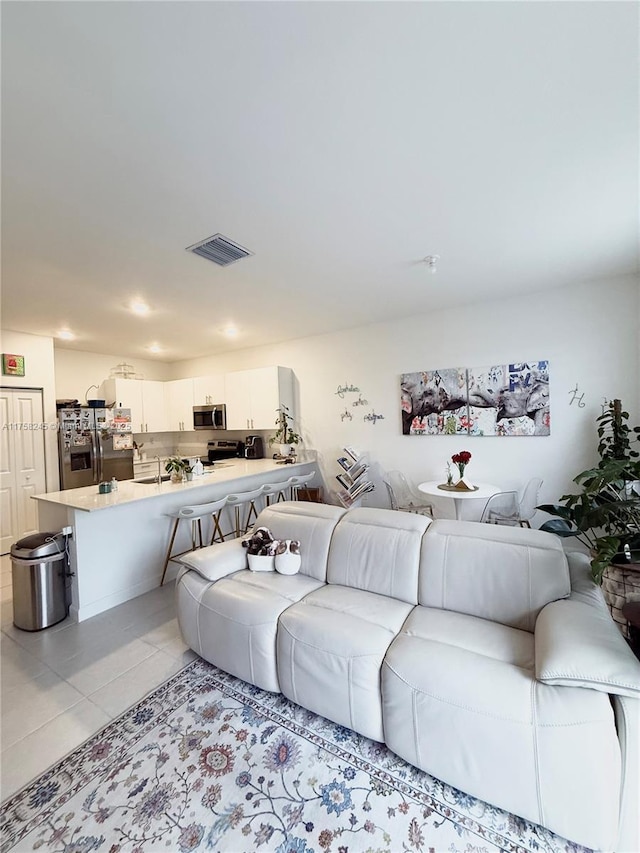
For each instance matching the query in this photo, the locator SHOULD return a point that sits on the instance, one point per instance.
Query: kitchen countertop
(88, 499)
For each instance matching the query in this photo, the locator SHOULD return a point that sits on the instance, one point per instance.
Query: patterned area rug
(208, 762)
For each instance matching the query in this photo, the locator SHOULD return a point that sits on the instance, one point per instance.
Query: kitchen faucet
(159, 477)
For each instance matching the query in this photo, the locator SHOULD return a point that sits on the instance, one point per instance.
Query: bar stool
(275, 492)
(296, 483)
(239, 500)
(195, 514)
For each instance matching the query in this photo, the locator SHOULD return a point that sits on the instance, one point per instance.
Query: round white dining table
(484, 490)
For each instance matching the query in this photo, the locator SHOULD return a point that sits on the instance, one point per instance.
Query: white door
(22, 467)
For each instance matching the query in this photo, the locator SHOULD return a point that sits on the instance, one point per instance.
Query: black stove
(223, 448)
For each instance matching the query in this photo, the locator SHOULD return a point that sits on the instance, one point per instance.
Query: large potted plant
(285, 435)
(605, 514)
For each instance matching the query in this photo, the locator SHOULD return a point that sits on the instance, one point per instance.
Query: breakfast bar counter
(120, 540)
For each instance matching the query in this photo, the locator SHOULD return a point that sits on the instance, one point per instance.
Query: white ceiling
(341, 142)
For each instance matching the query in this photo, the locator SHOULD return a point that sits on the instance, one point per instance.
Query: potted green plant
(285, 435)
(178, 469)
(605, 514)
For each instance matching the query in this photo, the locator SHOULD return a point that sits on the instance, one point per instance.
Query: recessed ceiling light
(154, 348)
(139, 307)
(66, 335)
(230, 331)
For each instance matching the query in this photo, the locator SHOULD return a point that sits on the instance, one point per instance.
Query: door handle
(94, 462)
(101, 459)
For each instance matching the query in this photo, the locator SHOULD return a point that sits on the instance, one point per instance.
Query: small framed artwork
(12, 365)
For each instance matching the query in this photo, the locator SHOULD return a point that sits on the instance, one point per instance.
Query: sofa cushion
(378, 550)
(311, 523)
(489, 639)
(499, 573)
(330, 648)
(232, 623)
(464, 706)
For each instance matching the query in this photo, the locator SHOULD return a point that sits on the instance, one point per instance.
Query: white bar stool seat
(296, 483)
(274, 492)
(195, 514)
(239, 500)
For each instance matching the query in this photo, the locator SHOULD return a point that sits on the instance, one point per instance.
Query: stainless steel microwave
(210, 417)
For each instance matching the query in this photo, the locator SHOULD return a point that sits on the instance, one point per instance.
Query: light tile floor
(61, 685)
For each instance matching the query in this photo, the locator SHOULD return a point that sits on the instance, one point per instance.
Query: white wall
(77, 370)
(589, 333)
(39, 373)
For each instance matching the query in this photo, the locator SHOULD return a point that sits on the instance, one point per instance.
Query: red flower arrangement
(461, 459)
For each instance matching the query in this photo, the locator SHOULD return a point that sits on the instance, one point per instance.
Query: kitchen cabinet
(154, 406)
(149, 468)
(179, 404)
(208, 390)
(145, 398)
(252, 397)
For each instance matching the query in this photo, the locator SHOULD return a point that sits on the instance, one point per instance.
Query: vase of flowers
(462, 460)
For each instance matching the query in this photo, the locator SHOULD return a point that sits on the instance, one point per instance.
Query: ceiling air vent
(220, 250)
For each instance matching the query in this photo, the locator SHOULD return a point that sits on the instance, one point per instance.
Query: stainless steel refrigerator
(94, 445)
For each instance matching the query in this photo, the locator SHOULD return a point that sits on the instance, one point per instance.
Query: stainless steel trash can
(39, 570)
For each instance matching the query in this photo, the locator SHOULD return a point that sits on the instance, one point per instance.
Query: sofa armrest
(627, 714)
(579, 645)
(583, 586)
(216, 561)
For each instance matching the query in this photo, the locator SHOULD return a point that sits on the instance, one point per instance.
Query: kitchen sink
(148, 480)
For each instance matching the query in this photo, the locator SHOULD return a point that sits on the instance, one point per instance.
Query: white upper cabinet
(208, 390)
(237, 387)
(180, 397)
(252, 397)
(154, 406)
(145, 398)
(128, 394)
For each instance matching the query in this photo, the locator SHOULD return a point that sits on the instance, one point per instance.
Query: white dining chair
(402, 497)
(512, 507)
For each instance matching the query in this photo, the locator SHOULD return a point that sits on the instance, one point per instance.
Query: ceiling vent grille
(220, 250)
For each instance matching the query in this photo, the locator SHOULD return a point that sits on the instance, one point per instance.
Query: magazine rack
(352, 478)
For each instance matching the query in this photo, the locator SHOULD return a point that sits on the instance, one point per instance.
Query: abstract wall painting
(498, 400)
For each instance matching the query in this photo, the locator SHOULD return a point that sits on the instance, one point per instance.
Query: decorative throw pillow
(288, 557)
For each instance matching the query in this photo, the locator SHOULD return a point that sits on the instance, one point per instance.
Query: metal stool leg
(252, 510)
(173, 539)
(217, 531)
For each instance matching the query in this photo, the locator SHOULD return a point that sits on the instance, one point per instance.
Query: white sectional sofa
(481, 654)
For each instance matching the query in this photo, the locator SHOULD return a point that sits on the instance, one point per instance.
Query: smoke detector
(432, 261)
(219, 249)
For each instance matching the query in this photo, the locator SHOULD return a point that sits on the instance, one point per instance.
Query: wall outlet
(67, 531)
